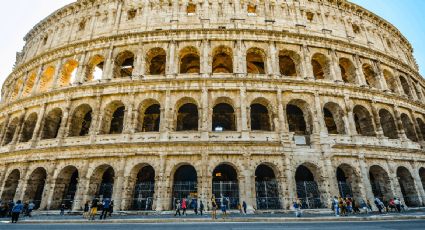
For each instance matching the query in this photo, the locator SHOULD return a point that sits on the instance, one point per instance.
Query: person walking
(105, 208)
(94, 206)
(397, 204)
(201, 208)
(31, 207)
(244, 206)
(184, 207)
(62, 209)
(86, 210)
(214, 208)
(195, 206)
(111, 208)
(368, 206)
(223, 208)
(16, 210)
(335, 206)
(379, 204)
(178, 207)
(297, 207)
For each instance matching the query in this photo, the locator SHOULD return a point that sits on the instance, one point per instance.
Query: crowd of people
(15, 210)
(104, 207)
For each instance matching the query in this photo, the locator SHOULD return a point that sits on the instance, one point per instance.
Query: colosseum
(146, 102)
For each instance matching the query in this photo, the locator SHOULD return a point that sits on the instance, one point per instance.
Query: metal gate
(105, 190)
(344, 189)
(143, 196)
(309, 194)
(226, 189)
(184, 189)
(267, 194)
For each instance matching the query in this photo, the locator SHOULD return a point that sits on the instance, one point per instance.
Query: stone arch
(348, 181)
(405, 86)
(309, 181)
(144, 187)
(255, 61)
(81, 121)
(409, 128)
(102, 182)
(421, 125)
(388, 124)
(187, 115)
(10, 131)
(407, 187)
(189, 60)
(185, 184)
(156, 60)
(16, 88)
(65, 187)
(334, 118)
(363, 121)
(29, 84)
(321, 66)
(46, 79)
(94, 69)
(223, 116)
(124, 64)
(10, 186)
(299, 117)
(35, 186)
(222, 60)
(267, 188)
(68, 73)
(52, 123)
(261, 116)
(390, 80)
(370, 76)
(28, 127)
(113, 118)
(348, 70)
(225, 184)
(289, 63)
(149, 116)
(380, 182)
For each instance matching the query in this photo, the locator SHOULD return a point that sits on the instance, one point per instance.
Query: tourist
(105, 208)
(368, 206)
(62, 209)
(335, 206)
(223, 208)
(184, 207)
(11, 205)
(379, 204)
(392, 205)
(111, 208)
(201, 208)
(178, 207)
(214, 208)
(297, 207)
(194, 205)
(86, 210)
(397, 204)
(244, 206)
(94, 206)
(16, 210)
(356, 207)
(349, 205)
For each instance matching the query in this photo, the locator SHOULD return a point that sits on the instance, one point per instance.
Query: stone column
(205, 56)
(394, 183)
(205, 124)
(243, 120)
(81, 195)
(118, 184)
(336, 75)
(38, 126)
(63, 132)
(49, 188)
(109, 65)
(399, 123)
(96, 125)
(139, 64)
(4, 128)
(160, 184)
(366, 189)
(246, 184)
(167, 123)
(307, 71)
(378, 70)
(58, 74)
(272, 60)
(3, 178)
(204, 194)
(22, 184)
(19, 128)
(239, 59)
(416, 126)
(283, 127)
(129, 114)
(377, 120)
(21, 90)
(291, 187)
(171, 69)
(37, 80)
(350, 116)
(361, 79)
(80, 76)
(320, 121)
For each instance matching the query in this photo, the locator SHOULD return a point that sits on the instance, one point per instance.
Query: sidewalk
(308, 216)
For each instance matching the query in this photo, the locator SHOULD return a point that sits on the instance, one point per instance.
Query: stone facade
(146, 102)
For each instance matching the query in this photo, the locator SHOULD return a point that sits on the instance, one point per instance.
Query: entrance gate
(267, 194)
(226, 189)
(143, 196)
(308, 193)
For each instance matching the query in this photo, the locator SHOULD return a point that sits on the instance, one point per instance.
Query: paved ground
(376, 225)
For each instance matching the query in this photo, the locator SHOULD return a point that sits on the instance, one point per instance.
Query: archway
(222, 60)
(389, 127)
(113, 119)
(348, 71)
(348, 182)
(409, 128)
(421, 125)
(68, 73)
(156, 60)
(363, 121)
(299, 117)
(334, 118)
(225, 185)
(406, 87)
(289, 63)
(29, 84)
(223, 118)
(46, 79)
(28, 128)
(370, 76)
(149, 118)
(321, 68)
(124, 64)
(95, 68)
(10, 131)
(144, 189)
(35, 186)
(102, 182)
(185, 184)
(380, 183)
(81, 121)
(11, 185)
(187, 117)
(391, 82)
(189, 60)
(407, 187)
(52, 124)
(260, 117)
(307, 187)
(65, 188)
(255, 61)
(267, 188)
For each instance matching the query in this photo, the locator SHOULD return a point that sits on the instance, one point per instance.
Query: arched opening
(266, 188)
(68, 73)
(102, 182)
(409, 129)
(255, 61)
(289, 63)
(321, 68)
(149, 118)
(334, 118)
(28, 128)
(260, 118)
(10, 186)
(187, 117)
(348, 182)
(52, 124)
(388, 124)
(10, 131)
(370, 76)
(29, 85)
(81, 121)
(185, 184)
(380, 183)
(348, 71)
(307, 187)
(65, 188)
(406, 87)
(144, 189)
(16, 88)
(222, 60)
(156, 60)
(189, 60)
(407, 187)
(363, 121)
(124, 64)
(225, 185)
(35, 187)
(422, 176)
(223, 118)
(299, 119)
(113, 120)
(390, 80)
(95, 68)
(421, 125)
(46, 80)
